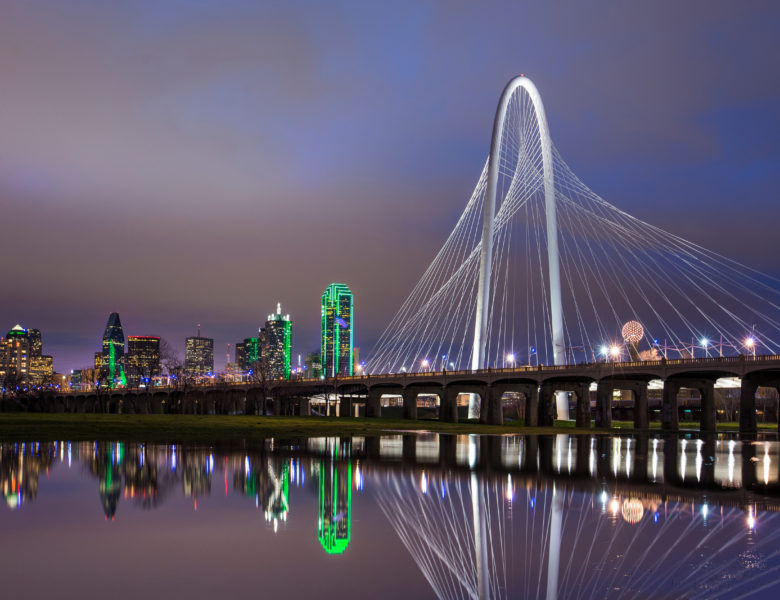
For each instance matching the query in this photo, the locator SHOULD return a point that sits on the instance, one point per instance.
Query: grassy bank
(196, 428)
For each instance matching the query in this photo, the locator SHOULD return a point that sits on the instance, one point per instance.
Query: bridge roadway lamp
(750, 344)
(615, 352)
(510, 358)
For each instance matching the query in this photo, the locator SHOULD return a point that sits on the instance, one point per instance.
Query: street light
(615, 352)
(425, 363)
(750, 344)
(704, 344)
(510, 358)
(604, 351)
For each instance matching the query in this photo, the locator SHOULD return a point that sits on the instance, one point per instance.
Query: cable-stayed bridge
(559, 290)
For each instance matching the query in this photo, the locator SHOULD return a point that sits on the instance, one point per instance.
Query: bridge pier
(641, 414)
(448, 405)
(304, 406)
(582, 412)
(708, 414)
(747, 406)
(410, 404)
(546, 405)
(531, 394)
(495, 404)
(374, 404)
(670, 416)
(345, 406)
(604, 391)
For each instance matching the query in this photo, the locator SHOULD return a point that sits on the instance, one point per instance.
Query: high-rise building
(336, 330)
(275, 340)
(143, 358)
(113, 351)
(248, 353)
(21, 358)
(198, 355)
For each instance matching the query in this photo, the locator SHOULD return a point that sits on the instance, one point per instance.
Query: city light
(604, 351)
(614, 351)
(510, 358)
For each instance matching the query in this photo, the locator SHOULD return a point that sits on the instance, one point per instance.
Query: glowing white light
(704, 510)
(615, 351)
(424, 483)
(604, 351)
(704, 342)
(750, 342)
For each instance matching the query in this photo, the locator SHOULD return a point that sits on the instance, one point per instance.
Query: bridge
(539, 270)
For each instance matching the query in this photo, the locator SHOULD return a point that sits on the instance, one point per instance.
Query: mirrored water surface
(412, 515)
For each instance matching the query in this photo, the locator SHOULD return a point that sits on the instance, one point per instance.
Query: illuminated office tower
(248, 353)
(198, 355)
(336, 325)
(21, 360)
(275, 340)
(113, 351)
(143, 358)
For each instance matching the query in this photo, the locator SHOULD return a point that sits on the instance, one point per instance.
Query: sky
(194, 161)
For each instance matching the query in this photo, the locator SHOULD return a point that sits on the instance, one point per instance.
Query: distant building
(276, 338)
(198, 355)
(248, 353)
(143, 359)
(336, 330)
(313, 365)
(21, 360)
(113, 351)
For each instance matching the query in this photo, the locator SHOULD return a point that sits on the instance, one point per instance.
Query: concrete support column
(582, 416)
(531, 395)
(374, 404)
(670, 417)
(410, 404)
(747, 406)
(304, 405)
(276, 406)
(604, 404)
(708, 414)
(493, 398)
(448, 406)
(641, 412)
(484, 406)
(345, 408)
(546, 406)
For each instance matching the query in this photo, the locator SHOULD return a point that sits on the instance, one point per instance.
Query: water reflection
(480, 517)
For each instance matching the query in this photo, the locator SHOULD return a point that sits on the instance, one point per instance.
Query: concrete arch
(486, 251)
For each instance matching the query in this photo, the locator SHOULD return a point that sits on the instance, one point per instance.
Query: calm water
(412, 516)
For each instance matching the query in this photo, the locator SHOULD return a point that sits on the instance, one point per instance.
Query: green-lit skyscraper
(113, 351)
(336, 325)
(275, 339)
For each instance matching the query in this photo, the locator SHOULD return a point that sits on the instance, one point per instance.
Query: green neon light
(111, 364)
(287, 349)
(333, 539)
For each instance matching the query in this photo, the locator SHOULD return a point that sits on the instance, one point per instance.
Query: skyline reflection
(498, 516)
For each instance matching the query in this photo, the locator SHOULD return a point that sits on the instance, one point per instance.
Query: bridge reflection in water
(484, 516)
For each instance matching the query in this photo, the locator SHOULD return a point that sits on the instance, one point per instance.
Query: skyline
(244, 139)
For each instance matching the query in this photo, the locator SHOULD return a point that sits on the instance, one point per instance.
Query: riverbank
(206, 429)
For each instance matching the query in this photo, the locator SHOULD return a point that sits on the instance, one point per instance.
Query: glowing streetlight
(604, 351)
(614, 352)
(425, 363)
(510, 358)
(750, 344)
(705, 344)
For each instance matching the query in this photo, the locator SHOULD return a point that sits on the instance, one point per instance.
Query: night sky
(193, 161)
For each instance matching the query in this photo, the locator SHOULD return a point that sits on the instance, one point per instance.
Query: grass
(206, 429)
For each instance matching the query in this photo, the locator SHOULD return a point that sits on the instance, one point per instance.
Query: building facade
(336, 330)
(143, 359)
(248, 354)
(22, 362)
(276, 338)
(198, 355)
(113, 359)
